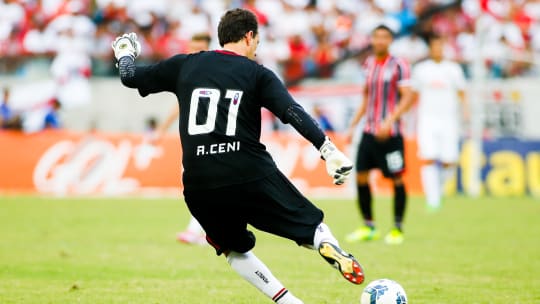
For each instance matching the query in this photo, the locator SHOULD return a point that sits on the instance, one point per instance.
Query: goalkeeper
(230, 180)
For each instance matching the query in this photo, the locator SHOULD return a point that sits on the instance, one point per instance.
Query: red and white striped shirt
(383, 79)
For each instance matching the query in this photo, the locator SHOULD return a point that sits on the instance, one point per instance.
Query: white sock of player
(431, 184)
(323, 234)
(254, 271)
(194, 226)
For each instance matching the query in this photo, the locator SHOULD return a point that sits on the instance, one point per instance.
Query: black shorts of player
(386, 155)
(271, 204)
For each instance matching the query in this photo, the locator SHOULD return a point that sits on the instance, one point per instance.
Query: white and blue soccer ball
(383, 291)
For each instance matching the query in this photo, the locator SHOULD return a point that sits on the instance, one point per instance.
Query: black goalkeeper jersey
(220, 95)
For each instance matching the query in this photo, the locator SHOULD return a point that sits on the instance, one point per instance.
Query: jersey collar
(226, 52)
(382, 60)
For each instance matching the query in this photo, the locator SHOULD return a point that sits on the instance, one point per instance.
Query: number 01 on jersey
(214, 97)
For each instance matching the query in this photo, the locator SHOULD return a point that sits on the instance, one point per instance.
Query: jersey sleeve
(276, 98)
(273, 94)
(155, 78)
(404, 73)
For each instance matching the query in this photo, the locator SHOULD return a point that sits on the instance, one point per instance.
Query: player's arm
(173, 116)
(462, 95)
(277, 99)
(159, 77)
(461, 92)
(416, 84)
(358, 116)
(406, 101)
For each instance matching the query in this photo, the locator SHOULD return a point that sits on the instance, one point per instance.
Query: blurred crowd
(299, 37)
(43, 116)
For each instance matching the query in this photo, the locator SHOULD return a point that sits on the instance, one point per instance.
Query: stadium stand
(300, 37)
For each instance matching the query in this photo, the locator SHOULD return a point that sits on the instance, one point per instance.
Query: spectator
(70, 36)
(199, 42)
(172, 42)
(413, 48)
(51, 27)
(324, 55)
(323, 119)
(8, 119)
(196, 20)
(5, 110)
(151, 126)
(51, 119)
(295, 66)
(273, 53)
(12, 18)
(261, 17)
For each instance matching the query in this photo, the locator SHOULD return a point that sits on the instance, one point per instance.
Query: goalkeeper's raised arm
(155, 78)
(126, 48)
(277, 99)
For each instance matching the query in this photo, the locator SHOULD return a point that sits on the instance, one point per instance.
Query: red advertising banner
(69, 163)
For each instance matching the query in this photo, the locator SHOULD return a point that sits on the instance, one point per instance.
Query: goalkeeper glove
(338, 165)
(126, 45)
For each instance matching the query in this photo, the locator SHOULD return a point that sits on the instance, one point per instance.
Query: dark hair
(235, 24)
(383, 28)
(201, 37)
(433, 37)
(56, 103)
(151, 123)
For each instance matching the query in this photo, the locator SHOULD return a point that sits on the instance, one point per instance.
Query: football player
(230, 180)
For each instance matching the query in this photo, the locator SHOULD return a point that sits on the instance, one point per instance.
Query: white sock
(431, 184)
(323, 234)
(254, 271)
(194, 226)
(447, 174)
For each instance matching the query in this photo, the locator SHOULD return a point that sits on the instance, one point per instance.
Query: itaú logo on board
(91, 166)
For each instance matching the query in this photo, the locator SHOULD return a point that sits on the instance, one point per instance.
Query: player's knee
(448, 165)
(233, 255)
(362, 178)
(242, 244)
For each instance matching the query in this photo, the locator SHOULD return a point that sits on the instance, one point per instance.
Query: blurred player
(387, 96)
(230, 180)
(440, 85)
(194, 233)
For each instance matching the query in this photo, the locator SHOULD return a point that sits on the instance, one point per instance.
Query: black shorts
(271, 204)
(386, 155)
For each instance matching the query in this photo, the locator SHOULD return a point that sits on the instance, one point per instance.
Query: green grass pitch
(124, 251)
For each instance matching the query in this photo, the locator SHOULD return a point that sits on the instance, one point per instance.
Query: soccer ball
(383, 291)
